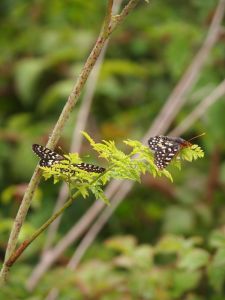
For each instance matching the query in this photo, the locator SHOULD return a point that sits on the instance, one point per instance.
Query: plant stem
(119, 18)
(16, 254)
(108, 19)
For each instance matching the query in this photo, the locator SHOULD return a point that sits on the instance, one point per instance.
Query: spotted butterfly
(90, 168)
(166, 148)
(49, 158)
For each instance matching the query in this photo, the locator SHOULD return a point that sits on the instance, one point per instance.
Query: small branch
(16, 254)
(22, 212)
(51, 233)
(108, 18)
(116, 20)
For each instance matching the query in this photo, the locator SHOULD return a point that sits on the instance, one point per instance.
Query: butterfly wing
(90, 168)
(165, 149)
(48, 157)
(164, 156)
(48, 162)
(155, 143)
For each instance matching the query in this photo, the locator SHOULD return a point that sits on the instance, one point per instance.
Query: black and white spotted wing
(90, 168)
(49, 157)
(166, 148)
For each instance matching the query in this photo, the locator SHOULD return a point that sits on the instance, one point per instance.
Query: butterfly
(166, 148)
(49, 158)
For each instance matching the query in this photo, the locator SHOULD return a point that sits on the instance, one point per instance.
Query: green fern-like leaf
(121, 165)
(192, 153)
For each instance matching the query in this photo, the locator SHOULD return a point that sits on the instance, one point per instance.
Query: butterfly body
(49, 158)
(166, 148)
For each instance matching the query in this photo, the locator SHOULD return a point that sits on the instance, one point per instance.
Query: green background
(165, 241)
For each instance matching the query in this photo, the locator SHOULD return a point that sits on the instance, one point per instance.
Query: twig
(108, 19)
(116, 20)
(16, 254)
(52, 229)
(22, 212)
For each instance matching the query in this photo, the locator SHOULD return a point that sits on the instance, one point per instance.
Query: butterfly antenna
(197, 136)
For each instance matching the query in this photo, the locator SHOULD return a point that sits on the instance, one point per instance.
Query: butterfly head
(181, 142)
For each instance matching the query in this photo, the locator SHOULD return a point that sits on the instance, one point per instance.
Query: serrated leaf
(168, 175)
(83, 190)
(87, 136)
(104, 198)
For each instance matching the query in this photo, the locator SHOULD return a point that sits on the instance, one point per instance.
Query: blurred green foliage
(180, 227)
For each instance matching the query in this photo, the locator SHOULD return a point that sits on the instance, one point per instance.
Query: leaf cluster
(120, 165)
(189, 153)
